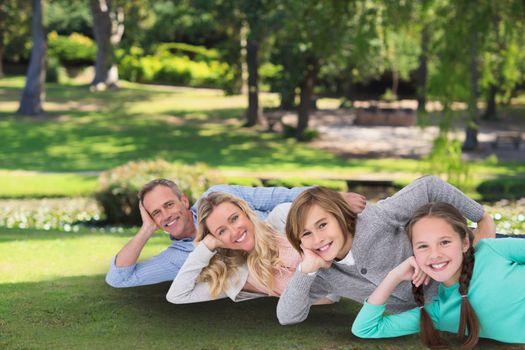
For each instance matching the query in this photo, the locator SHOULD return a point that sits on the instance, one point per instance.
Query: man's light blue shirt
(165, 266)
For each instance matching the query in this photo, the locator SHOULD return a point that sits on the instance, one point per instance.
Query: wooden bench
(507, 137)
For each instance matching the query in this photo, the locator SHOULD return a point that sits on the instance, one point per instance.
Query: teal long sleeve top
(496, 292)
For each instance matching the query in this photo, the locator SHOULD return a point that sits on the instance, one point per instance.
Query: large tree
(314, 33)
(14, 27)
(108, 28)
(33, 94)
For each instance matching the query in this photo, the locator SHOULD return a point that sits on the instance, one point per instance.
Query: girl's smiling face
(323, 235)
(438, 249)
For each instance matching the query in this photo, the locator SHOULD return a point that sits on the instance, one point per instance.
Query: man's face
(170, 213)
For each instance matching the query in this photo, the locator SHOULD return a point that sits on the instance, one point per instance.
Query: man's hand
(148, 224)
(356, 201)
(312, 262)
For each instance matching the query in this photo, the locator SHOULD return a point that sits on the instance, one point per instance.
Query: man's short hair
(159, 182)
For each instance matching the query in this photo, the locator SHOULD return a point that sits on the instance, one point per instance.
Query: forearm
(261, 199)
(186, 288)
(384, 290)
(294, 304)
(130, 253)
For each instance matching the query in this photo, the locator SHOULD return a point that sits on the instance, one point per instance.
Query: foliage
(445, 160)
(15, 30)
(495, 189)
(69, 16)
(55, 73)
(165, 67)
(508, 215)
(119, 187)
(48, 214)
(74, 49)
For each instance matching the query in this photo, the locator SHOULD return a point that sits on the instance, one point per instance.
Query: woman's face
(438, 249)
(230, 225)
(323, 235)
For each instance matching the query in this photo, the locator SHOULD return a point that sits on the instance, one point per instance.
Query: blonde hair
(329, 200)
(261, 260)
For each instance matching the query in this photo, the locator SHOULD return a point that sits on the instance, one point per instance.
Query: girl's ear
(466, 244)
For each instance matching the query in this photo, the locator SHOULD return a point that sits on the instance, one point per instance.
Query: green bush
(75, 49)
(119, 186)
(165, 67)
(507, 188)
(55, 73)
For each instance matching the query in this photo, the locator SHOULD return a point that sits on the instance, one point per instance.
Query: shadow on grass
(83, 312)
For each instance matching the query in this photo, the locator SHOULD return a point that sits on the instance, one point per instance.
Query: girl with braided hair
(481, 291)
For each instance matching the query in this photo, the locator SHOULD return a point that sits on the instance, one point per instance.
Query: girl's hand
(312, 262)
(211, 242)
(409, 270)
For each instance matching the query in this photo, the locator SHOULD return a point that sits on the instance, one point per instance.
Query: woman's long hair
(468, 321)
(261, 260)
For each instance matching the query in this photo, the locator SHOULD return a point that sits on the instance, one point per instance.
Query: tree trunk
(33, 95)
(422, 73)
(243, 34)
(108, 28)
(471, 132)
(307, 91)
(490, 112)
(252, 115)
(1, 58)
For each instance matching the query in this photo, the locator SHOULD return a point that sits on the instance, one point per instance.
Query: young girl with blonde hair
(481, 291)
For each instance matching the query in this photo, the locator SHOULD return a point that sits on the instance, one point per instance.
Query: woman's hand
(211, 242)
(312, 262)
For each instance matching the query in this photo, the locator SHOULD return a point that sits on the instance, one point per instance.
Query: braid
(468, 321)
(429, 335)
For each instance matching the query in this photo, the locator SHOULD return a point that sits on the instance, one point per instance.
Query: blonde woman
(237, 255)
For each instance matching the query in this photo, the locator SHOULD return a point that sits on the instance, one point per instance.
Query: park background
(97, 97)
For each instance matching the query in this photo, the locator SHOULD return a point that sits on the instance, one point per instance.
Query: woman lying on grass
(237, 255)
(481, 291)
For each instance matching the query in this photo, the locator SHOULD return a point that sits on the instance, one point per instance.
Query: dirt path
(338, 134)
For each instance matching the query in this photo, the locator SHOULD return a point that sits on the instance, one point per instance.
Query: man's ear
(185, 200)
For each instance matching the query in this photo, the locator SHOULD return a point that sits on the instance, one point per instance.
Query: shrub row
(119, 186)
(164, 67)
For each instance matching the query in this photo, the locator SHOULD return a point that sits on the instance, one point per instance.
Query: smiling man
(163, 206)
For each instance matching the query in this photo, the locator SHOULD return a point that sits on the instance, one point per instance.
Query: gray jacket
(379, 245)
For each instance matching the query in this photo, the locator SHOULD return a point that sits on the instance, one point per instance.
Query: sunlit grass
(54, 297)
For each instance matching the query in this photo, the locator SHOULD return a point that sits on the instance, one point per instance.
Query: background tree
(33, 94)
(14, 26)
(108, 28)
(314, 34)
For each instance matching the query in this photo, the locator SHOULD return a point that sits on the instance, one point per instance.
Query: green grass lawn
(53, 296)
(84, 132)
